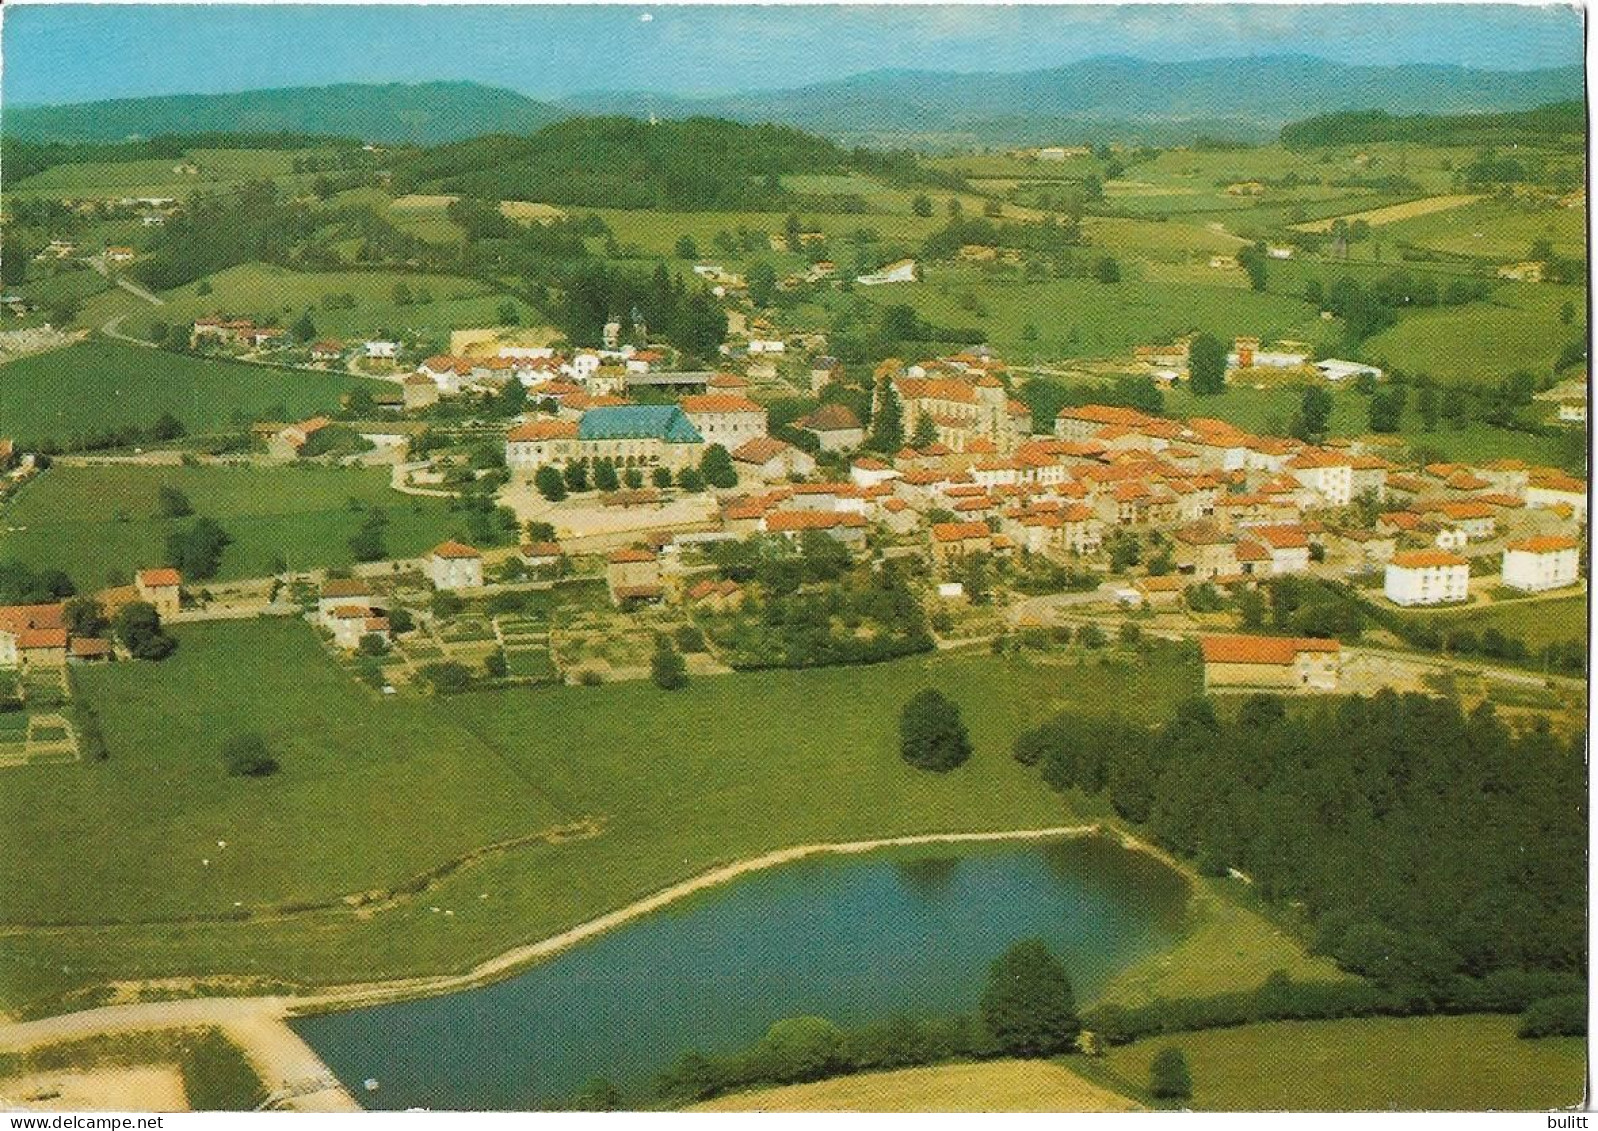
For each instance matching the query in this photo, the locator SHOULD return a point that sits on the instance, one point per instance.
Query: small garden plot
(422, 652)
(44, 688)
(532, 663)
(466, 630)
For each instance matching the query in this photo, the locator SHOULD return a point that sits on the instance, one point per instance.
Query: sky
(55, 53)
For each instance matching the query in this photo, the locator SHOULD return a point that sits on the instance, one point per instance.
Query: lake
(852, 938)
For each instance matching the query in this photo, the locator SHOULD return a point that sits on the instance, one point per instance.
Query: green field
(101, 523)
(348, 808)
(1495, 230)
(218, 169)
(268, 293)
(1520, 327)
(1471, 1063)
(97, 385)
(1085, 318)
(371, 791)
(1536, 621)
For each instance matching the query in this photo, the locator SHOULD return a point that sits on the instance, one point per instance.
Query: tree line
(1425, 844)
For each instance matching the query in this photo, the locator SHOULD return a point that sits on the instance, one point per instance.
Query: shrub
(1563, 1016)
(447, 678)
(246, 755)
(372, 644)
(138, 626)
(446, 604)
(667, 668)
(798, 1049)
(690, 639)
(1169, 1078)
(588, 677)
(932, 736)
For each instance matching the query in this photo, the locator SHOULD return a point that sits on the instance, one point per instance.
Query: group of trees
(1427, 845)
(1046, 237)
(195, 550)
(813, 608)
(595, 293)
(162, 430)
(1369, 308)
(932, 736)
(1028, 1009)
(605, 474)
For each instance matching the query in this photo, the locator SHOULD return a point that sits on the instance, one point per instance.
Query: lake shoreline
(260, 1014)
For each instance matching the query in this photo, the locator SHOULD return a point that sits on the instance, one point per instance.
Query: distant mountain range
(1096, 99)
(425, 113)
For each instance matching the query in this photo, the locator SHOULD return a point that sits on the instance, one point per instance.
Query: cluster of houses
(38, 637)
(1249, 356)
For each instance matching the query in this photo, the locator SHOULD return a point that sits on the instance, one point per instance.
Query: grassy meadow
(372, 791)
(217, 169)
(92, 386)
(101, 523)
(1473, 1063)
(1085, 318)
(270, 293)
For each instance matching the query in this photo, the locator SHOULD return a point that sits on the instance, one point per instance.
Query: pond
(852, 938)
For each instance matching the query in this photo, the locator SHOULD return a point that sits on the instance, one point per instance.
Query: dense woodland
(694, 164)
(1362, 127)
(1425, 844)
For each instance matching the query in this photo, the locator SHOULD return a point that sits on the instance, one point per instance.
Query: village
(625, 474)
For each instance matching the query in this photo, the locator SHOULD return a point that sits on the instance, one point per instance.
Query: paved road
(99, 264)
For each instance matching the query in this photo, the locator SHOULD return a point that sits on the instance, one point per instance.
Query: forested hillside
(700, 163)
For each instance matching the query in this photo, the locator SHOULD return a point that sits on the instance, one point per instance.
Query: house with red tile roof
(767, 459)
(1547, 487)
(632, 576)
(1271, 663)
(952, 540)
(455, 565)
(161, 588)
(728, 419)
(1287, 544)
(835, 426)
(1204, 550)
(845, 526)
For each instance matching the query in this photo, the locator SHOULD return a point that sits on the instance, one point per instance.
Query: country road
(99, 264)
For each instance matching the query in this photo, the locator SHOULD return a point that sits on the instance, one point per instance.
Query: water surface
(852, 938)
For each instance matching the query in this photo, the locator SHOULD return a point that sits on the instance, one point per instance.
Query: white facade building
(1427, 577)
(1535, 564)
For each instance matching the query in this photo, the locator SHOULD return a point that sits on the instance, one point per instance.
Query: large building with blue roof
(633, 435)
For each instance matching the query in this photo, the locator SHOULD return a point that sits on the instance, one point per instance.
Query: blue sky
(68, 53)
